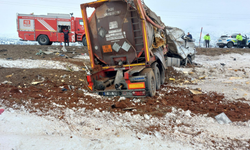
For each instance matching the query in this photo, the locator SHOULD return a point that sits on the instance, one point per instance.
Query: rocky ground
(44, 81)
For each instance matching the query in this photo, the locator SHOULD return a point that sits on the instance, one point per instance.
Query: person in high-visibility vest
(207, 40)
(239, 40)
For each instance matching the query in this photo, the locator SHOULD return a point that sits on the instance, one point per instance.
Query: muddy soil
(221, 51)
(65, 89)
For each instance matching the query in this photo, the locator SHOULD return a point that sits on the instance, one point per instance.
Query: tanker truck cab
(127, 49)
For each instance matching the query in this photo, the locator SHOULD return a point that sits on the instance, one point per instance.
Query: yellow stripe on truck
(138, 85)
(146, 40)
(87, 38)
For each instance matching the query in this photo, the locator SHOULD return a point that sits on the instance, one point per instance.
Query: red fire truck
(47, 29)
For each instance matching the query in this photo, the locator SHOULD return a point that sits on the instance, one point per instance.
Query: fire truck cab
(47, 29)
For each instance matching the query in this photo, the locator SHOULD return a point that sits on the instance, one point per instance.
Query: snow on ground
(21, 130)
(228, 74)
(29, 64)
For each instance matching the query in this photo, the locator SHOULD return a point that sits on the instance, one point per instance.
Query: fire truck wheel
(150, 84)
(43, 40)
(157, 75)
(84, 42)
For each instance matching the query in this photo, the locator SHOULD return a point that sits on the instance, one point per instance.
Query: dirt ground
(64, 87)
(49, 89)
(221, 51)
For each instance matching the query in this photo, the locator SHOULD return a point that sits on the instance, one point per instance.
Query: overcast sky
(215, 16)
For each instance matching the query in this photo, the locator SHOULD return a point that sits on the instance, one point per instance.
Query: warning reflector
(107, 48)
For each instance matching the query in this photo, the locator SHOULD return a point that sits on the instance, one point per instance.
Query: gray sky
(215, 16)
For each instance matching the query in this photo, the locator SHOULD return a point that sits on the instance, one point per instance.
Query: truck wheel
(43, 40)
(157, 75)
(84, 42)
(221, 46)
(150, 84)
(230, 45)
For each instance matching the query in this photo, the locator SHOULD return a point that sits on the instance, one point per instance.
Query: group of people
(207, 39)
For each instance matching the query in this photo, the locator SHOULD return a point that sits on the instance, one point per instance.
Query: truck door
(26, 29)
(80, 32)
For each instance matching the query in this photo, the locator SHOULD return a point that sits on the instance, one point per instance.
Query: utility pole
(200, 37)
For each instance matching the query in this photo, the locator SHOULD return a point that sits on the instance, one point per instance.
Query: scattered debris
(3, 50)
(6, 82)
(196, 91)
(69, 69)
(64, 89)
(223, 119)
(64, 49)
(40, 53)
(235, 78)
(36, 82)
(202, 77)
(1, 111)
(71, 87)
(171, 79)
(8, 76)
(222, 64)
(129, 108)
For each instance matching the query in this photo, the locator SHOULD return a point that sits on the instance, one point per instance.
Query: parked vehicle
(230, 41)
(47, 29)
(130, 48)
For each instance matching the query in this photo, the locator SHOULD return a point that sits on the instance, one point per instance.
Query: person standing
(239, 40)
(207, 40)
(66, 36)
(188, 38)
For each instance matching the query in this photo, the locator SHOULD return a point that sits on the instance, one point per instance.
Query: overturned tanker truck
(130, 48)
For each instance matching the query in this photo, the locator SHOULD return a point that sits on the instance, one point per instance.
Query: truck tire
(157, 75)
(84, 42)
(230, 45)
(43, 40)
(150, 84)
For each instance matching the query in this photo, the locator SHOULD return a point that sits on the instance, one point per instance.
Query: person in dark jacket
(66, 36)
(188, 38)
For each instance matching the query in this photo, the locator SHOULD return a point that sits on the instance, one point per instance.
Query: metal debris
(223, 119)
